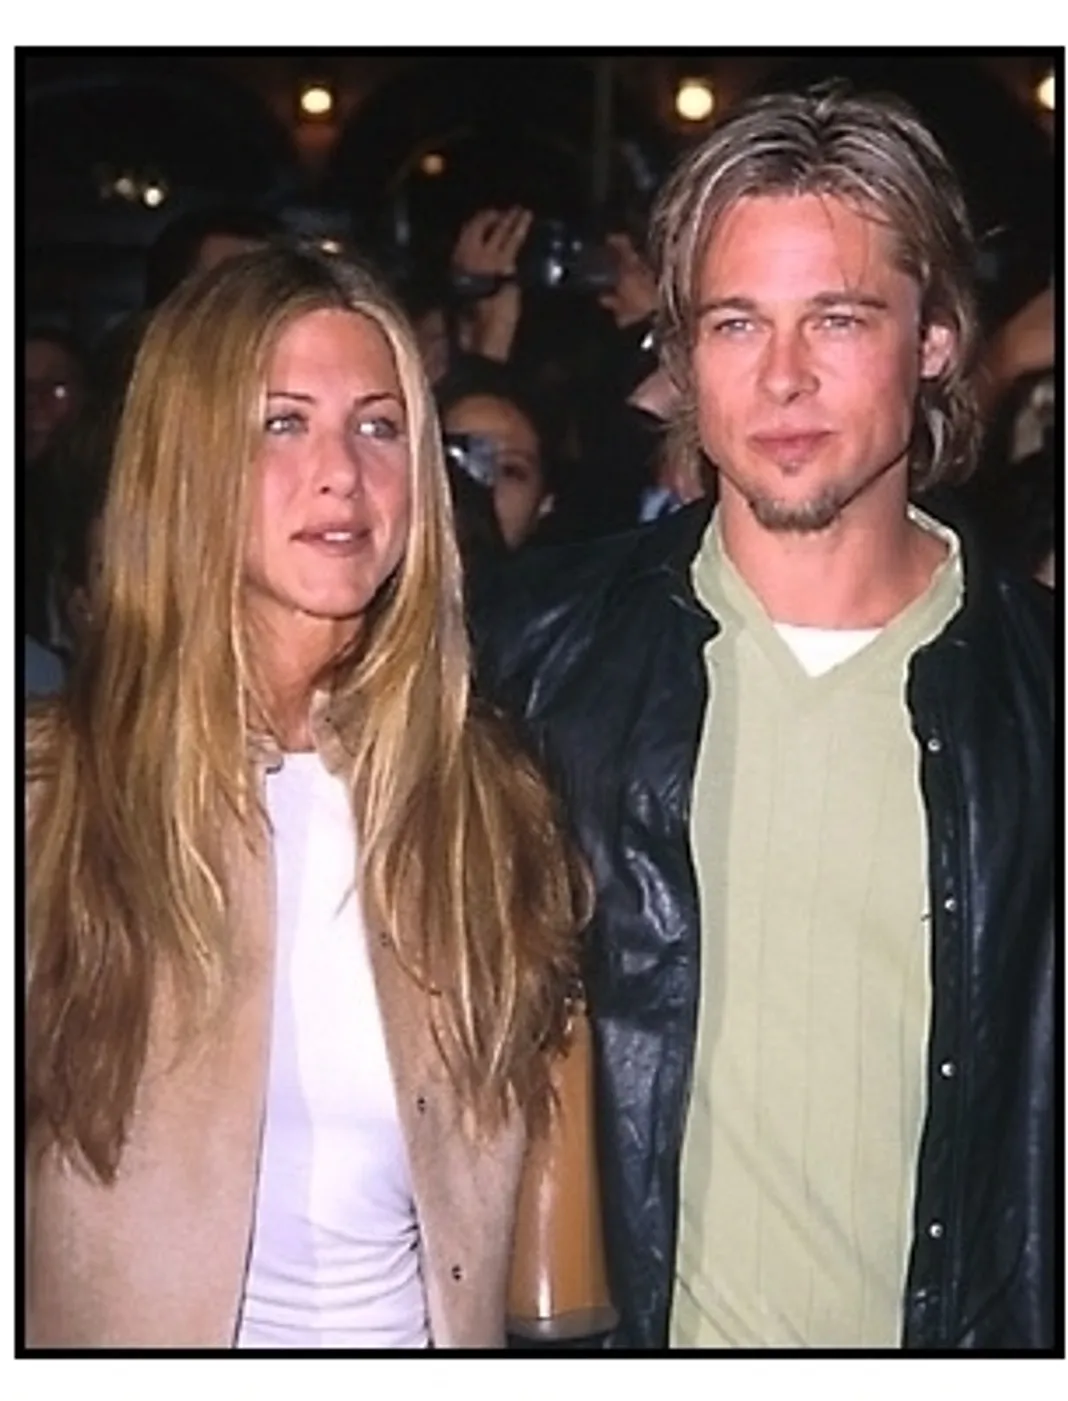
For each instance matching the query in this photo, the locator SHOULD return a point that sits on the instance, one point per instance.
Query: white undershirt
(334, 1259)
(821, 649)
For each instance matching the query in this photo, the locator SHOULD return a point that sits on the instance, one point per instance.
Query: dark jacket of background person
(600, 648)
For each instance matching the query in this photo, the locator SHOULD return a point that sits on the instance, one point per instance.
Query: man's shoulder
(1005, 634)
(1018, 615)
(546, 591)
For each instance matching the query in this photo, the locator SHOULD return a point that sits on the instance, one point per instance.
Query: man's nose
(787, 371)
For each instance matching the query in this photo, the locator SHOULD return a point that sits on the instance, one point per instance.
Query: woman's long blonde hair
(142, 775)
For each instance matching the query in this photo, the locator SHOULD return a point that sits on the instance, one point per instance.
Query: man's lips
(790, 447)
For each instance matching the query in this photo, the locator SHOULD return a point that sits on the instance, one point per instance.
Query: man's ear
(939, 347)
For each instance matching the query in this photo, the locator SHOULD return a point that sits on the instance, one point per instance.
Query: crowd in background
(555, 413)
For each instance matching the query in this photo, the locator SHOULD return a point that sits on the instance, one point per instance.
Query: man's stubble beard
(800, 517)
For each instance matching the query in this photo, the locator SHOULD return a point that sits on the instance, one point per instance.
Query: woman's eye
(514, 471)
(384, 429)
(278, 424)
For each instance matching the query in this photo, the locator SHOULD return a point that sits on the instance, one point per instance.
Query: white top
(334, 1260)
(821, 649)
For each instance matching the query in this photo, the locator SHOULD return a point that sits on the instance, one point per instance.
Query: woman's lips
(340, 540)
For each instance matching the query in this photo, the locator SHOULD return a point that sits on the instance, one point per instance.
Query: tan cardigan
(159, 1258)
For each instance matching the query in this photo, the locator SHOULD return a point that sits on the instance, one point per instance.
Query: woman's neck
(288, 669)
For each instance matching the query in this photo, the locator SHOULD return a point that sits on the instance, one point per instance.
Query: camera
(554, 257)
(472, 454)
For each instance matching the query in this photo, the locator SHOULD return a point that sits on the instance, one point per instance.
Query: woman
(291, 1117)
(483, 409)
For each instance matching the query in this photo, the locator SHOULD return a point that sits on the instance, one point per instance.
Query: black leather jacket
(599, 648)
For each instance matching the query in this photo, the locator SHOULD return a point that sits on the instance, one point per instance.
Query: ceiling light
(316, 100)
(694, 100)
(1046, 93)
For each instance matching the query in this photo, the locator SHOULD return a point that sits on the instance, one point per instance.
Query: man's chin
(799, 517)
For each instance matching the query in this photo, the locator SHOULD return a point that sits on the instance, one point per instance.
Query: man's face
(807, 357)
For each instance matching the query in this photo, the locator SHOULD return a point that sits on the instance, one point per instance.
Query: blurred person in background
(201, 239)
(42, 669)
(273, 695)
(498, 432)
(473, 314)
(54, 390)
(53, 366)
(65, 513)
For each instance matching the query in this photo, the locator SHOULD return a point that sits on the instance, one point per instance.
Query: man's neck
(860, 572)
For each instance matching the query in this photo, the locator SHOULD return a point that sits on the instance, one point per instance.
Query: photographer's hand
(488, 245)
(634, 296)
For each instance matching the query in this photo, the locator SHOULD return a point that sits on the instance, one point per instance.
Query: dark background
(587, 137)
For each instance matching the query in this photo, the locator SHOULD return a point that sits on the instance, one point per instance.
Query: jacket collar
(672, 545)
(266, 754)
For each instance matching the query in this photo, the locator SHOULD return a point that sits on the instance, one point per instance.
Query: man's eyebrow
(820, 299)
(857, 298)
(726, 304)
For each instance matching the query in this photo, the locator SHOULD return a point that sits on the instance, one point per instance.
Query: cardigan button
(420, 1103)
(456, 1272)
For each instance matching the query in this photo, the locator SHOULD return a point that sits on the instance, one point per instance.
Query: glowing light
(316, 101)
(433, 163)
(694, 100)
(153, 195)
(126, 186)
(330, 245)
(1046, 94)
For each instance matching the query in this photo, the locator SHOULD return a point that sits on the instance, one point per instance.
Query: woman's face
(519, 496)
(330, 503)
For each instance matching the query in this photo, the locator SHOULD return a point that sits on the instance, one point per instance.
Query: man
(807, 744)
